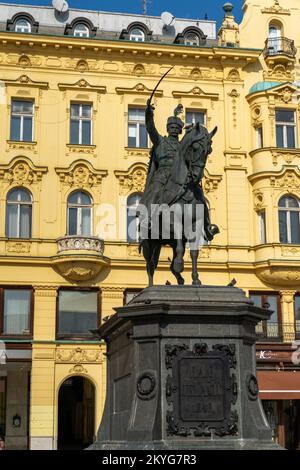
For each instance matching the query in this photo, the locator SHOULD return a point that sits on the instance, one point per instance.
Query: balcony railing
(280, 46)
(80, 243)
(277, 332)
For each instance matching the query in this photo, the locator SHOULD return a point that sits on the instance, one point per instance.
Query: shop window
(16, 306)
(22, 114)
(132, 221)
(289, 220)
(18, 213)
(269, 330)
(81, 124)
(191, 117)
(285, 129)
(78, 312)
(137, 133)
(80, 207)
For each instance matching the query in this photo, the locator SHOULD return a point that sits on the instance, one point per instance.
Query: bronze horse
(183, 189)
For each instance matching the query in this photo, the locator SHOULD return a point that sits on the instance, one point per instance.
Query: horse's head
(199, 140)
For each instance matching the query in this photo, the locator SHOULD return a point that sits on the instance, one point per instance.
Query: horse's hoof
(196, 282)
(181, 281)
(178, 265)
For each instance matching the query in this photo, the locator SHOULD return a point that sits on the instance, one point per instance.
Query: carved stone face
(174, 130)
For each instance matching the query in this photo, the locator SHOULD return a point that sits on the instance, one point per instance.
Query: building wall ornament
(82, 84)
(18, 247)
(287, 178)
(78, 369)
(277, 9)
(21, 146)
(291, 251)
(21, 171)
(109, 292)
(280, 275)
(74, 243)
(279, 72)
(258, 201)
(139, 89)
(133, 180)
(41, 290)
(24, 80)
(133, 251)
(78, 355)
(81, 174)
(195, 91)
(288, 155)
(210, 182)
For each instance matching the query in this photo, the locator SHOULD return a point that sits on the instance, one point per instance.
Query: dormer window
(191, 39)
(22, 26)
(81, 31)
(137, 34)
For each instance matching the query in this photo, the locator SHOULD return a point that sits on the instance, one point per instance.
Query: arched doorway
(76, 413)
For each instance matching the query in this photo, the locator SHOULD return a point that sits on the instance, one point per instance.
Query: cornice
(24, 80)
(103, 47)
(196, 91)
(139, 89)
(82, 84)
(291, 169)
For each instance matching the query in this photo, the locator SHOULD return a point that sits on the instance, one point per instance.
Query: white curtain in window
(16, 311)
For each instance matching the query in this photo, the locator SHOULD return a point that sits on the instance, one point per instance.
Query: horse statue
(182, 190)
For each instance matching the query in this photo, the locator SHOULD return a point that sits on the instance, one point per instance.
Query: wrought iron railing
(274, 331)
(280, 46)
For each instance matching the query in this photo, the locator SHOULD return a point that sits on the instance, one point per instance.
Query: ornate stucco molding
(288, 178)
(132, 180)
(80, 174)
(24, 80)
(210, 183)
(139, 89)
(18, 247)
(276, 9)
(78, 355)
(196, 91)
(82, 84)
(279, 275)
(21, 171)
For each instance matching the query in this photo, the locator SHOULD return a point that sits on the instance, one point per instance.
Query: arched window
(137, 34)
(274, 38)
(22, 26)
(191, 39)
(81, 30)
(18, 213)
(79, 214)
(132, 221)
(289, 220)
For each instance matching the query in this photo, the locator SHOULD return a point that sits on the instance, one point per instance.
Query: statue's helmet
(175, 120)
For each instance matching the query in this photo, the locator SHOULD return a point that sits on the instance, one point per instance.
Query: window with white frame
(132, 221)
(259, 137)
(22, 26)
(79, 214)
(285, 128)
(289, 220)
(18, 213)
(81, 30)
(22, 114)
(191, 39)
(137, 133)
(137, 34)
(262, 226)
(191, 117)
(81, 124)
(16, 304)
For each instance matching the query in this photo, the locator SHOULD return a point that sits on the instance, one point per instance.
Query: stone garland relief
(79, 355)
(201, 407)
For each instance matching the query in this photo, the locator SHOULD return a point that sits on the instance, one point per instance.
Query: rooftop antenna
(145, 7)
(61, 6)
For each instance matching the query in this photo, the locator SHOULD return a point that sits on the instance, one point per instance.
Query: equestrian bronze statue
(173, 210)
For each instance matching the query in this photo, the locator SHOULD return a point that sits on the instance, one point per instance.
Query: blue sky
(179, 8)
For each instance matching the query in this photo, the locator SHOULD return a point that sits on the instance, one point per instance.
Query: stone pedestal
(181, 372)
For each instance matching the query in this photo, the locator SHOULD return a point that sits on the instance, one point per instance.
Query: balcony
(279, 50)
(277, 332)
(80, 258)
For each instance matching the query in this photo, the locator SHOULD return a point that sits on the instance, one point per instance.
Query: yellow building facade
(74, 157)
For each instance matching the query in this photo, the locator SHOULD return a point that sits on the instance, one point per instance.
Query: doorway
(76, 414)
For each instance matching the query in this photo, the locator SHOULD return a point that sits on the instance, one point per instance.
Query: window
(77, 312)
(79, 214)
(270, 329)
(81, 30)
(191, 117)
(274, 42)
(259, 137)
(262, 226)
(16, 311)
(191, 39)
(132, 221)
(81, 124)
(289, 221)
(21, 128)
(137, 133)
(18, 214)
(2, 404)
(22, 26)
(297, 315)
(285, 129)
(137, 34)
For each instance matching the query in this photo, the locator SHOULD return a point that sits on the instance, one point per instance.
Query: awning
(279, 385)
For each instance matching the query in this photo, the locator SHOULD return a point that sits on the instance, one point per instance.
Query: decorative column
(43, 369)
(111, 297)
(288, 314)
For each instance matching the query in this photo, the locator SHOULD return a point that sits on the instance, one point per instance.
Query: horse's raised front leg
(195, 275)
